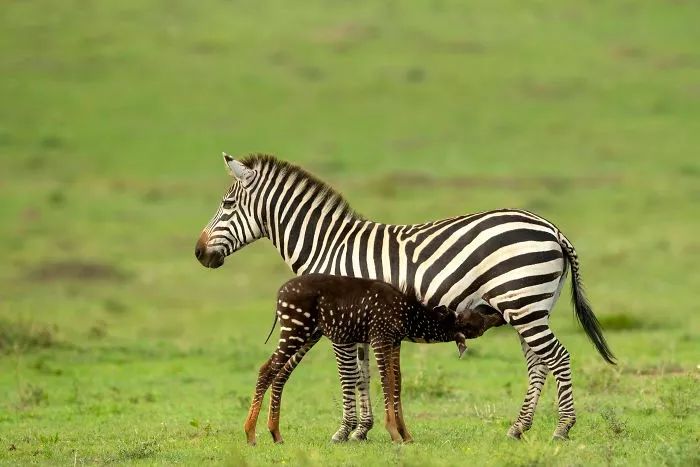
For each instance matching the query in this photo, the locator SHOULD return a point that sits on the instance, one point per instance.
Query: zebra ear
(238, 170)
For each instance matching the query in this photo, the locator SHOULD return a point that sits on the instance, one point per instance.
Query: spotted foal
(352, 310)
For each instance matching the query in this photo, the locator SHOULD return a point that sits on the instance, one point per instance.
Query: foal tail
(584, 314)
(274, 323)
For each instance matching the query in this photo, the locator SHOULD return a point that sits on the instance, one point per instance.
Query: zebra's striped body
(511, 261)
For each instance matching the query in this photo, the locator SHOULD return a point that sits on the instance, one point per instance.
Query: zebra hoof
(515, 433)
(560, 437)
(339, 438)
(355, 436)
(342, 434)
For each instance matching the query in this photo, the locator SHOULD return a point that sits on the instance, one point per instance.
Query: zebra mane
(326, 192)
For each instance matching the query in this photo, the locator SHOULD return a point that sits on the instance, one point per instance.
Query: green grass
(117, 346)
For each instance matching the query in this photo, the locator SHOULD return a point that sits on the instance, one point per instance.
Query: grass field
(116, 346)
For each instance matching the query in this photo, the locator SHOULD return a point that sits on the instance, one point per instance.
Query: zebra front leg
(273, 419)
(383, 352)
(546, 346)
(349, 373)
(536, 374)
(366, 417)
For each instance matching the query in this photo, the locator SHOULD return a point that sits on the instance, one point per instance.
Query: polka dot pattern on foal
(349, 311)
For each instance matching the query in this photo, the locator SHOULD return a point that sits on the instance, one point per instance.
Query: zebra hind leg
(536, 373)
(543, 343)
(349, 374)
(366, 417)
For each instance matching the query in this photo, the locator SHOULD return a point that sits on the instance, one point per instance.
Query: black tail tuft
(273, 328)
(588, 320)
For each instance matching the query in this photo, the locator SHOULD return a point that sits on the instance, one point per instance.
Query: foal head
(467, 324)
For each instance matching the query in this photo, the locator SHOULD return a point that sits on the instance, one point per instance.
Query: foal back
(346, 310)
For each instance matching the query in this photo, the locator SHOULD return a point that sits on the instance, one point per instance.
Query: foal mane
(327, 193)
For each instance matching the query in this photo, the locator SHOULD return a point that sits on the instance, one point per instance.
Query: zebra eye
(228, 204)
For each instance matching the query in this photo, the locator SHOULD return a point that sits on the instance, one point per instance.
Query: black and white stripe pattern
(511, 261)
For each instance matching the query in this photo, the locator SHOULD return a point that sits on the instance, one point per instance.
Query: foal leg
(349, 374)
(398, 412)
(383, 351)
(536, 374)
(273, 419)
(366, 418)
(267, 373)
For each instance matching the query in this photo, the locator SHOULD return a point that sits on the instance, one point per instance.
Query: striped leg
(273, 419)
(383, 352)
(349, 374)
(540, 339)
(536, 373)
(366, 418)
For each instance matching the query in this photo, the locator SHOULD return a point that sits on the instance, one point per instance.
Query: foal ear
(238, 170)
(444, 314)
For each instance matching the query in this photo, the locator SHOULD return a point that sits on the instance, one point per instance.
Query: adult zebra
(508, 261)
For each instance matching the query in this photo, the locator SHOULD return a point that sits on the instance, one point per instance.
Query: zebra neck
(331, 245)
(340, 245)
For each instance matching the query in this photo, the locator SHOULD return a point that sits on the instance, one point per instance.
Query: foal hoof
(250, 438)
(559, 437)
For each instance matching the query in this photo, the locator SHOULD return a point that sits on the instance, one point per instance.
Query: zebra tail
(274, 323)
(582, 308)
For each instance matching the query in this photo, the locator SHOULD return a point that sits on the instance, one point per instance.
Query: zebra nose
(199, 251)
(200, 248)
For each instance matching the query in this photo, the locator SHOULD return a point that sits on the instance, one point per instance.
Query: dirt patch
(76, 270)
(675, 62)
(23, 336)
(552, 90)
(625, 52)
(345, 35)
(454, 46)
(511, 183)
(656, 370)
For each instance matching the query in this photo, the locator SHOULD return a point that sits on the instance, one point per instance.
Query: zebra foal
(350, 310)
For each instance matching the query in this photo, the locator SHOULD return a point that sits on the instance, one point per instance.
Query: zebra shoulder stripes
(508, 261)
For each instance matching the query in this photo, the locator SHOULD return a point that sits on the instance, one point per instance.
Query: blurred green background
(117, 346)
